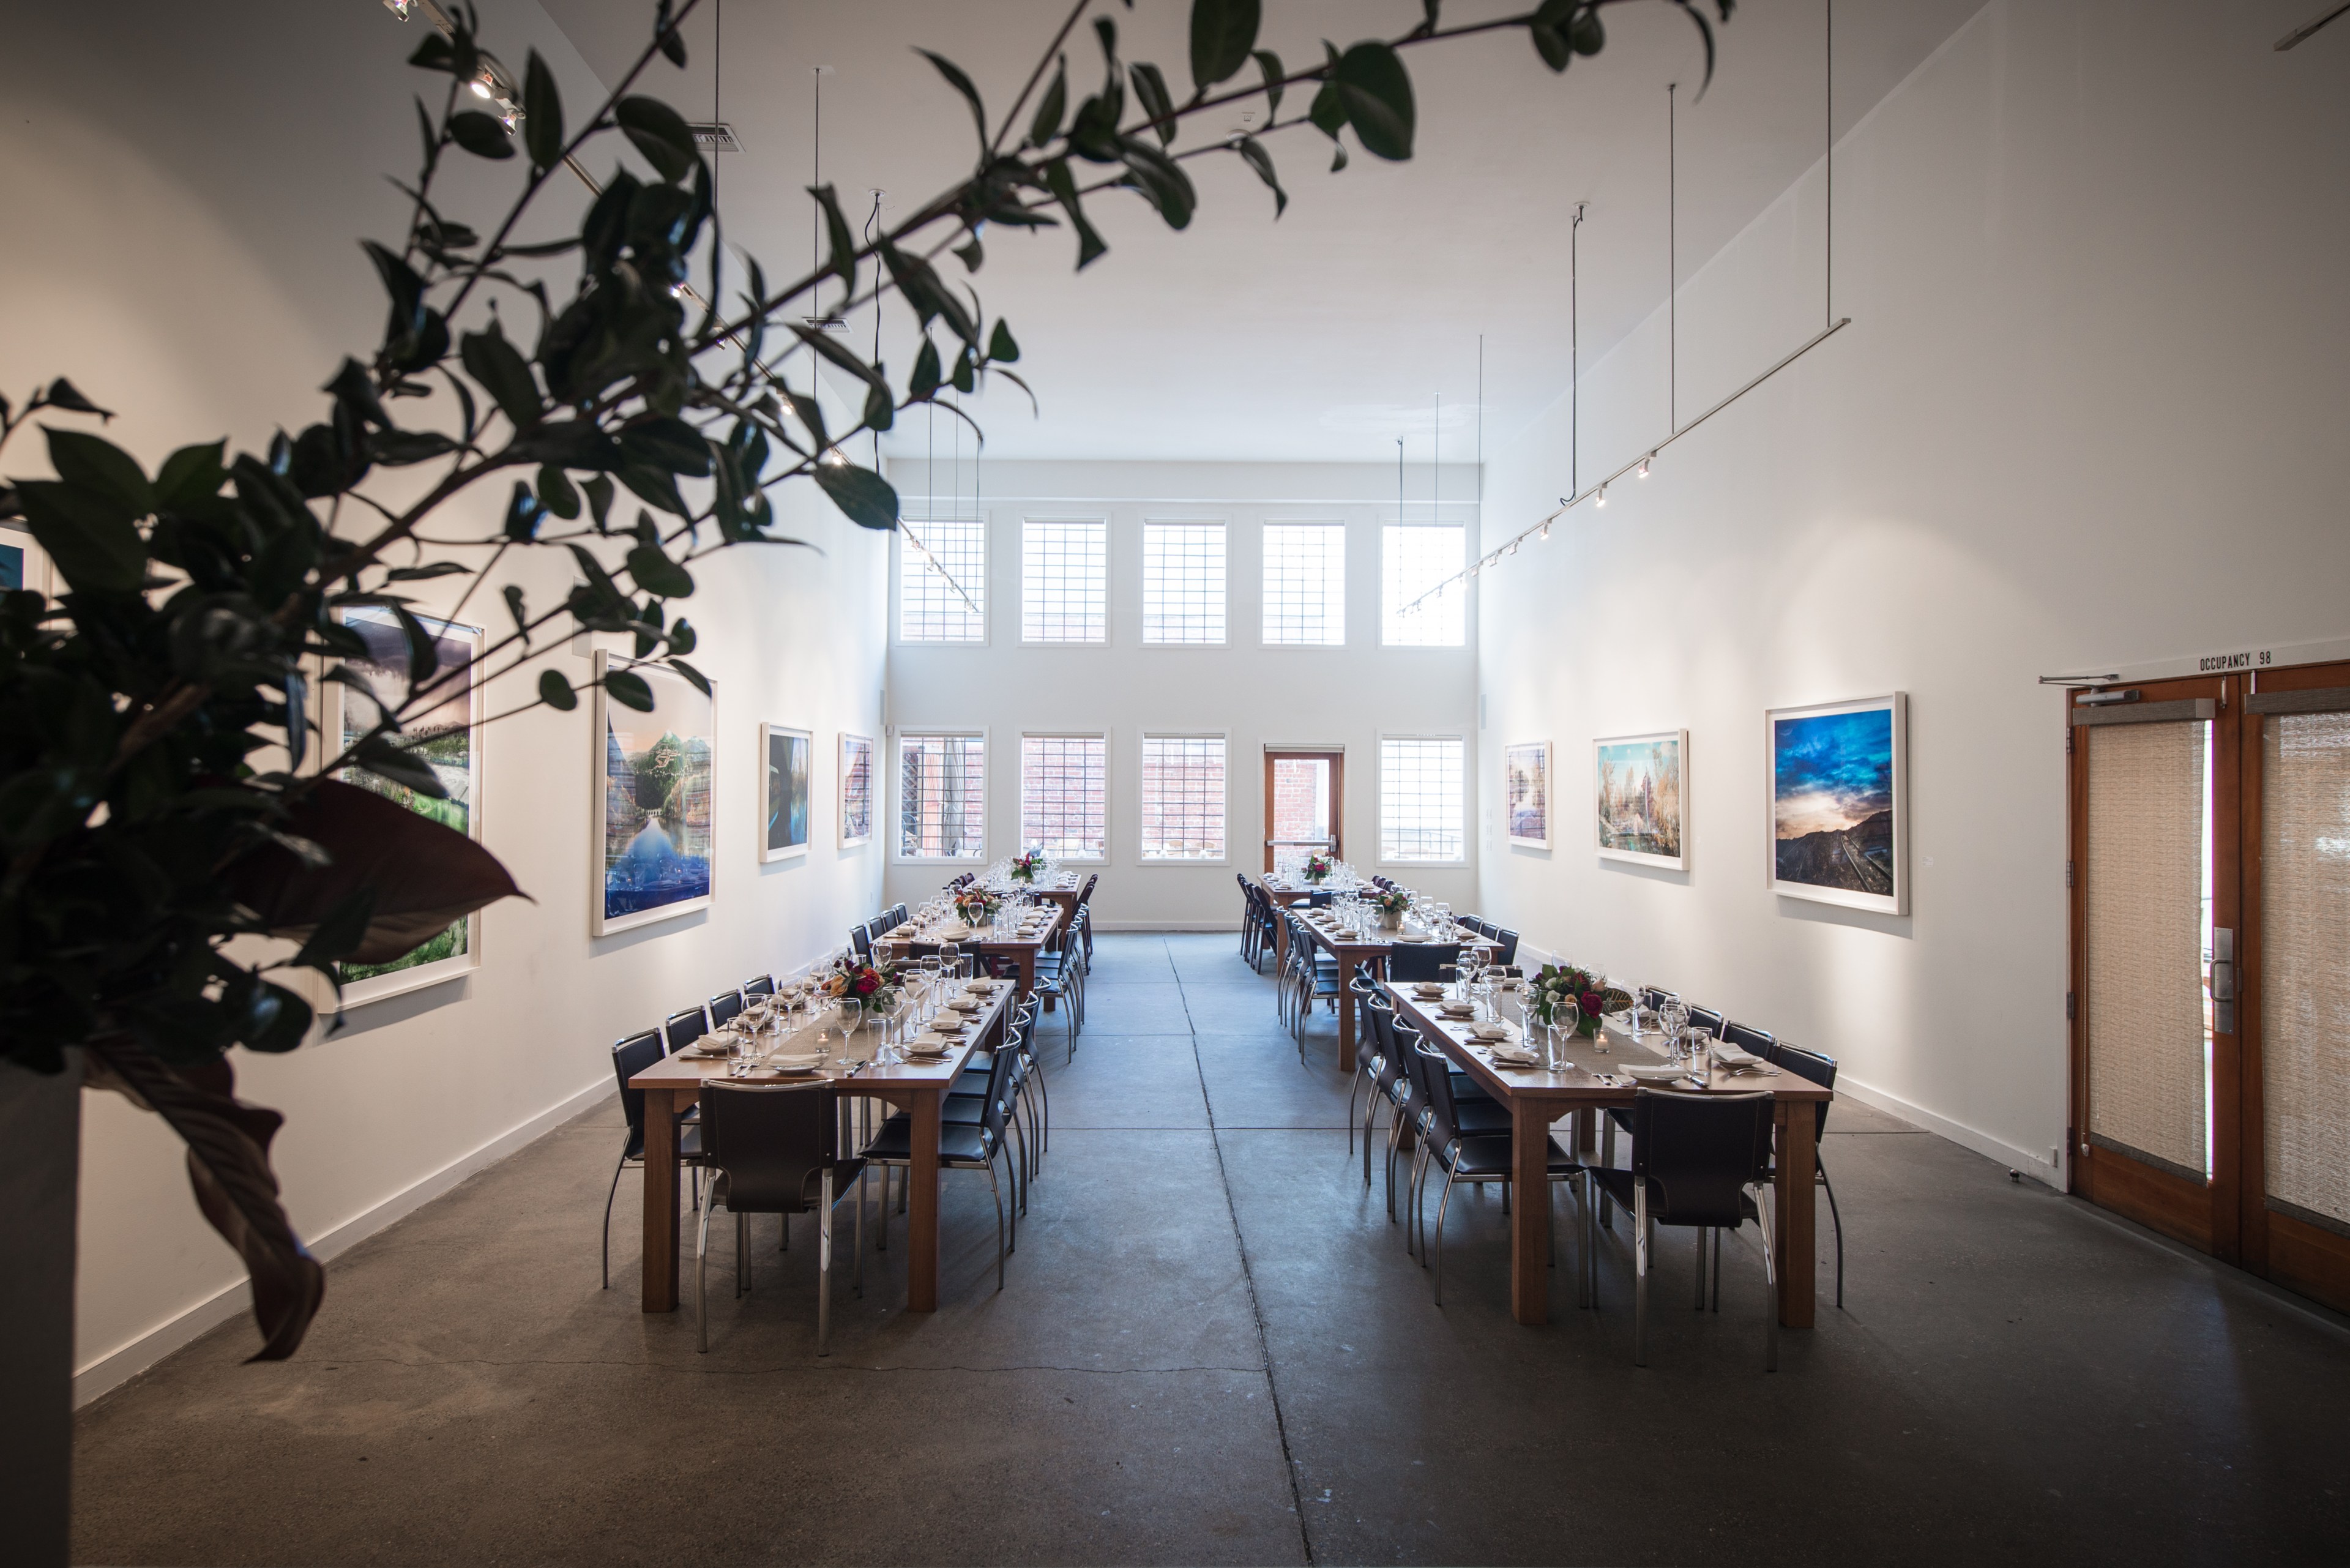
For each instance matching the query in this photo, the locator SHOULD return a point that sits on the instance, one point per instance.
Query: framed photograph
(856, 790)
(23, 563)
(1639, 785)
(1526, 774)
(1839, 803)
(655, 809)
(448, 736)
(785, 755)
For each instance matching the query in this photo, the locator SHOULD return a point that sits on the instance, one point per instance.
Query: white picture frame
(1830, 770)
(1640, 798)
(1528, 798)
(23, 563)
(855, 817)
(779, 746)
(641, 881)
(342, 715)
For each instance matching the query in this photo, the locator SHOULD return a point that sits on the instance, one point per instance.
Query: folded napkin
(1731, 1056)
(1426, 991)
(1489, 1033)
(1458, 1011)
(1513, 1055)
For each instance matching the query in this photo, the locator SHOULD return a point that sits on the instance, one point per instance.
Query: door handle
(2223, 979)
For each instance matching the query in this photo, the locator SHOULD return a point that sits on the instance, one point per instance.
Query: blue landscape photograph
(1832, 799)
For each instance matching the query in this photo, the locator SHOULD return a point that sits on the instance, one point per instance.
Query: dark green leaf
(842, 263)
(542, 108)
(483, 135)
(401, 282)
(297, 718)
(401, 447)
(629, 689)
(1376, 92)
(1150, 86)
(864, 497)
(660, 133)
(961, 84)
(824, 344)
(502, 372)
(665, 33)
(525, 513)
(1000, 343)
(1327, 112)
(1161, 181)
(555, 489)
(1430, 10)
(598, 492)
(969, 253)
(919, 282)
(1064, 187)
(1590, 37)
(700, 681)
(275, 1019)
(95, 463)
(1551, 44)
(63, 394)
(340, 930)
(354, 388)
(192, 476)
(656, 574)
(1222, 33)
(682, 637)
(555, 691)
(92, 540)
(515, 607)
(1051, 106)
(1269, 64)
(418, 574)
(1704, 30)
(423, 648)
(1253, 154)
(668, 443)
(926, 374)
(382, 757)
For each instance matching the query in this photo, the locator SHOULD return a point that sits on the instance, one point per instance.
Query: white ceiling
(1323, 336)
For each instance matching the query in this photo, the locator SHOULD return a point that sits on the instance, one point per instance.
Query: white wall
(185, 188)
(2088, 411)
(1255, 694)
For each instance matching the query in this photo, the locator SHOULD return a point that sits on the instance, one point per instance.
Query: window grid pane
(1421, 795)
(941, 796)
(1415, 557)
(1063, 781)
(1182, 797)
(1306, 584)
(1183, 582)
(929, 608)
(1064, 582)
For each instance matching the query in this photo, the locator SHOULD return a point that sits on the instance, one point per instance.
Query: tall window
(1413, 558)
(941, 797)
(1063, 778)
(1183, 582)
(1306, 584)
(941, 581)
(1064, 582)
(1421, 798)
(1182, 797)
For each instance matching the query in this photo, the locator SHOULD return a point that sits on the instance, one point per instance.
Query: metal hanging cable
(1672, 256)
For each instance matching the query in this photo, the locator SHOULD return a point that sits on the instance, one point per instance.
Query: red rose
(1592, 1003)
(867, 982)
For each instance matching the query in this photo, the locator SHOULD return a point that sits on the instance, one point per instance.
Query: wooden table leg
(1530, 1213)
(1346, 1024)
(1795, 1234)
(660, 1290)
(1280, 941)
(1027, 971)
(922, 1205)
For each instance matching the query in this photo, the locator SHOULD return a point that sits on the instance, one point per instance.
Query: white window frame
(1141, 751)
(1224, 529)
(978, 590)
(1346, 596)
(1108, 565)
(1104, 738)
(897, 737)
(1468, 628)
(1380, 795)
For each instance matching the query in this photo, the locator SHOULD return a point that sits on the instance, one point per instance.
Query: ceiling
(1325, 334)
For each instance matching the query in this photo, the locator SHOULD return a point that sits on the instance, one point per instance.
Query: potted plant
(1027, 867)
(975, 906)
(865, 987)
(1318, 866)
(1391, 904)
(1550, 992)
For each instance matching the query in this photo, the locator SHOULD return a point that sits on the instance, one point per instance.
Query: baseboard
(1232, 926)
(112, 1371)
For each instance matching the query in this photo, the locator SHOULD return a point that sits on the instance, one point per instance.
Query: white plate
(1648, 1073)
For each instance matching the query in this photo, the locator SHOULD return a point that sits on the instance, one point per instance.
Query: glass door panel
(1303, 799)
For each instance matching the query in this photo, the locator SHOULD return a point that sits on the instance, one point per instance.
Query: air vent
(716, 136)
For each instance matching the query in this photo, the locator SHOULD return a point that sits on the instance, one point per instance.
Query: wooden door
(2154, 776)
(1305, 806)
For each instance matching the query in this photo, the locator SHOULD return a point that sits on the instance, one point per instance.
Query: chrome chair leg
(859, 1287)
(1640, 1273)
(1769, 1279)
(701, 1284)
(1701, 1269)
(824, 1270)
(1836, 1219)
(615, 1190)
(1717, 1269)
(998, 1194)
(742, 1254)
(1441, 1204)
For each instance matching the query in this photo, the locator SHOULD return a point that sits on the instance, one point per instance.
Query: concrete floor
(1213, 1349)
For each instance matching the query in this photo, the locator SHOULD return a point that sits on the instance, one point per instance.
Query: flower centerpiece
(975, 906)
(1391, 904)
(871, 984)
(1027, 867)
(1317, 867)
(1549, 992)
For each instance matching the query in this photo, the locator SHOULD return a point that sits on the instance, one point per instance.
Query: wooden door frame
(1337, 761)
(2158, 1199)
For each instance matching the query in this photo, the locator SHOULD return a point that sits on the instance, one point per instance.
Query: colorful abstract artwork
(655, 811)
(1525, 781)
(1838, 803)
(1640, 790)
(785, 755)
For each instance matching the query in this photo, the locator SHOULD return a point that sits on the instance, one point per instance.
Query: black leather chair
(776, 1150)
(1505, 948)
(1472, 1157)
(1249, 926)
(1693, 1158)
(684, 1027)
(960, 1147)
(1476, 1115)
(758, 988)
(1820, 1070)
(1422, 960)
(1707, 1019)
(630, 1057)
(861, 939)
(725, 1008)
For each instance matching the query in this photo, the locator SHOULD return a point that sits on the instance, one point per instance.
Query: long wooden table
(1537, 1098)
(1287, 895)
(1021, 949)
(920, 1089)
(1349, 951)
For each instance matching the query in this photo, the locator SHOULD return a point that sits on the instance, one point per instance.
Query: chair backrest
(1819, 1069)
(897, 916)
(725, 1008)
(758, 986)
(773, 1141)
(1378, 1015)
(1748, 1038)
(1505, 944)
(682, 1029)
(1320, 898)
(630, 1057)
(1652, 998)
(1086, 893)
(1706, 1019)
(861, 939)
(1432, 1076)
(1696, 1151)
(1421, 960)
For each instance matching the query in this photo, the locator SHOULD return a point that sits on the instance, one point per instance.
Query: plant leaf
(483, 135)
(1150, 86)
(864, 497)
(1377, 90)
(629, 689)
(93, 540)
(1051, 106)
(1064, 187)
(502, 372)
(63, 394)
(1269, 64)
(1000, 346)
(93, 463)
(961, 84)
(656, 574)
(542, 108)
(1222, 33)
(842, 262)
(660, 133)
(1253, 154)
(555, 691)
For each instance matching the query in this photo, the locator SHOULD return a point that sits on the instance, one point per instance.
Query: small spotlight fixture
(833, 459)
(1603, 495)
(482, 86)
(1644, 464)
(1545, 528)
(1514, 547)
(399, 8)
